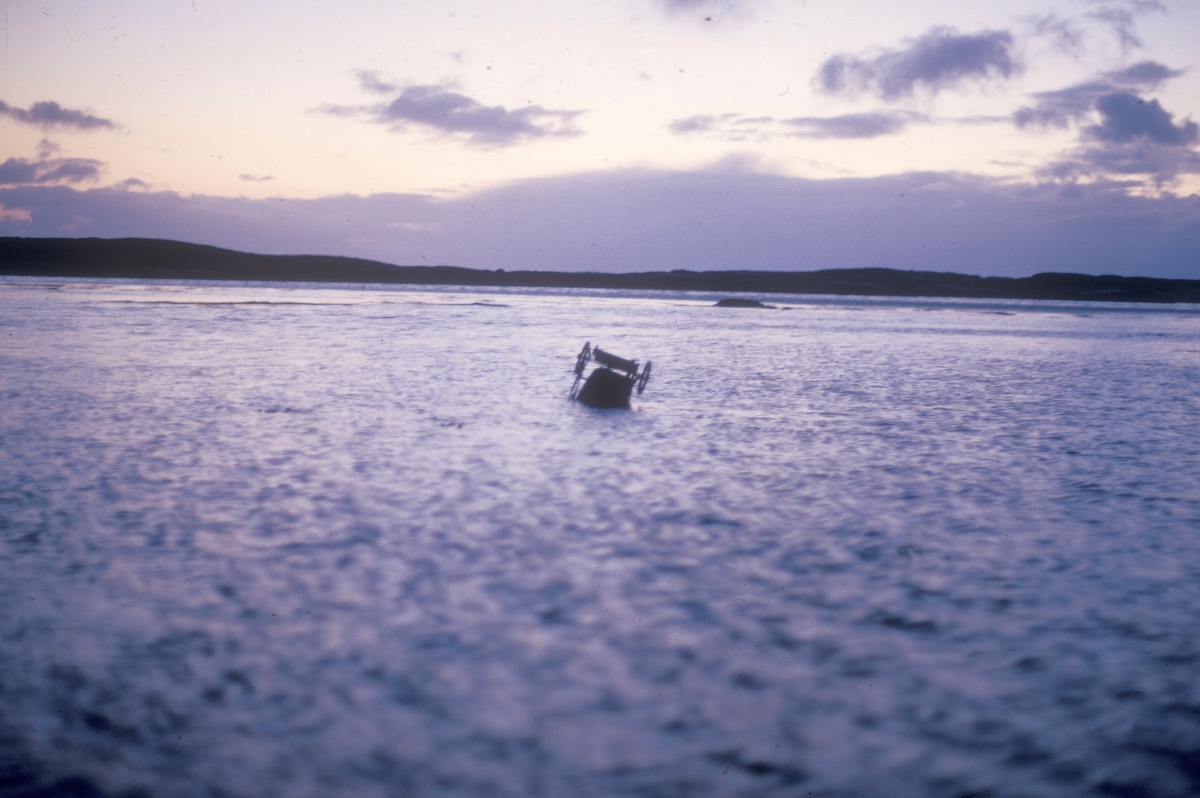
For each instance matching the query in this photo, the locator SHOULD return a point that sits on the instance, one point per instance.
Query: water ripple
(302, 541)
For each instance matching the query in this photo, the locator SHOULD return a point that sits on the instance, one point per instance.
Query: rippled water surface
(308, 541)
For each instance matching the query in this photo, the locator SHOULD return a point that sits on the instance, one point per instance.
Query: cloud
(448, 111)
(15, 214)
(1144, 75)
(1120, 132)
(1125, 117)
(48, 115)
(43, 170)
(1063, 107)
(700, 123)
(733, 127)
(131, 184)
(438, 108)
(854, 126)
(725, 8)
(256, 178)
(1133, 137)
(658, 221)
(1129, 163)
(1122, 18)
(48, 168)
(729, 127)
(1064, 34)
(371, 81)
(940, 59)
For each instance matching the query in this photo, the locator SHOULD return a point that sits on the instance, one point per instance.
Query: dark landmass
(144, 258)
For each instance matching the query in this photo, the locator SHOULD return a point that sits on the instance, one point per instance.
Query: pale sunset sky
(616, 135)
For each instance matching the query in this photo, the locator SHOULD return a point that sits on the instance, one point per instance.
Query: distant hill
(144, 258)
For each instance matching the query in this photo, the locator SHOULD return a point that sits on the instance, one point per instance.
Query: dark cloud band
(658, 221)
(938, 60)
(733, 127)
(854, 126)
(22, 171)
(1063, 107)
(1125, 117)
(1120, 131)
(47, 115)
(438, 108)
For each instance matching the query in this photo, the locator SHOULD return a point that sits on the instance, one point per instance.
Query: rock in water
(741, 303)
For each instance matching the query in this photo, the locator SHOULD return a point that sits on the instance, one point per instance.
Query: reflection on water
(310, 541)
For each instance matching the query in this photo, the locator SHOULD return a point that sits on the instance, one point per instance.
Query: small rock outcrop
(741, 303)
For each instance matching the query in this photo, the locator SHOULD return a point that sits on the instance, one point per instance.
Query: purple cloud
(854, 126)
(938, 60)
(733, 127)
(1065, 35)
(436, 107)
(729, 126)
(1143, 75)
(22, 171)
(47, 115)
(1122, 18)
(1127, 135)
(1134, 137)
(723, 7)
(700, 123)
(658, 221)
(1125, 117)
(1127, 163)
(374, 83)
(1063, 107)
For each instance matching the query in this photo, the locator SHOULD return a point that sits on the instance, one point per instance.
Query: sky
(616, 135)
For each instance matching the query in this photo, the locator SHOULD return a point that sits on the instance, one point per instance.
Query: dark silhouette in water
(740, 303)
(145, 258)
(607, 388)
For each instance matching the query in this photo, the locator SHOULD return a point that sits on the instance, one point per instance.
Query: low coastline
(142, 258)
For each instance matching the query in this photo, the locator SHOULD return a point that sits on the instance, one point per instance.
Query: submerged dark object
(740, 303)
(609, 386)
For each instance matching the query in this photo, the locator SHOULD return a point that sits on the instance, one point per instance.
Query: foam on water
(309, 541)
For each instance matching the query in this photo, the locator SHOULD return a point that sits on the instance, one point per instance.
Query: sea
(301, 540)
